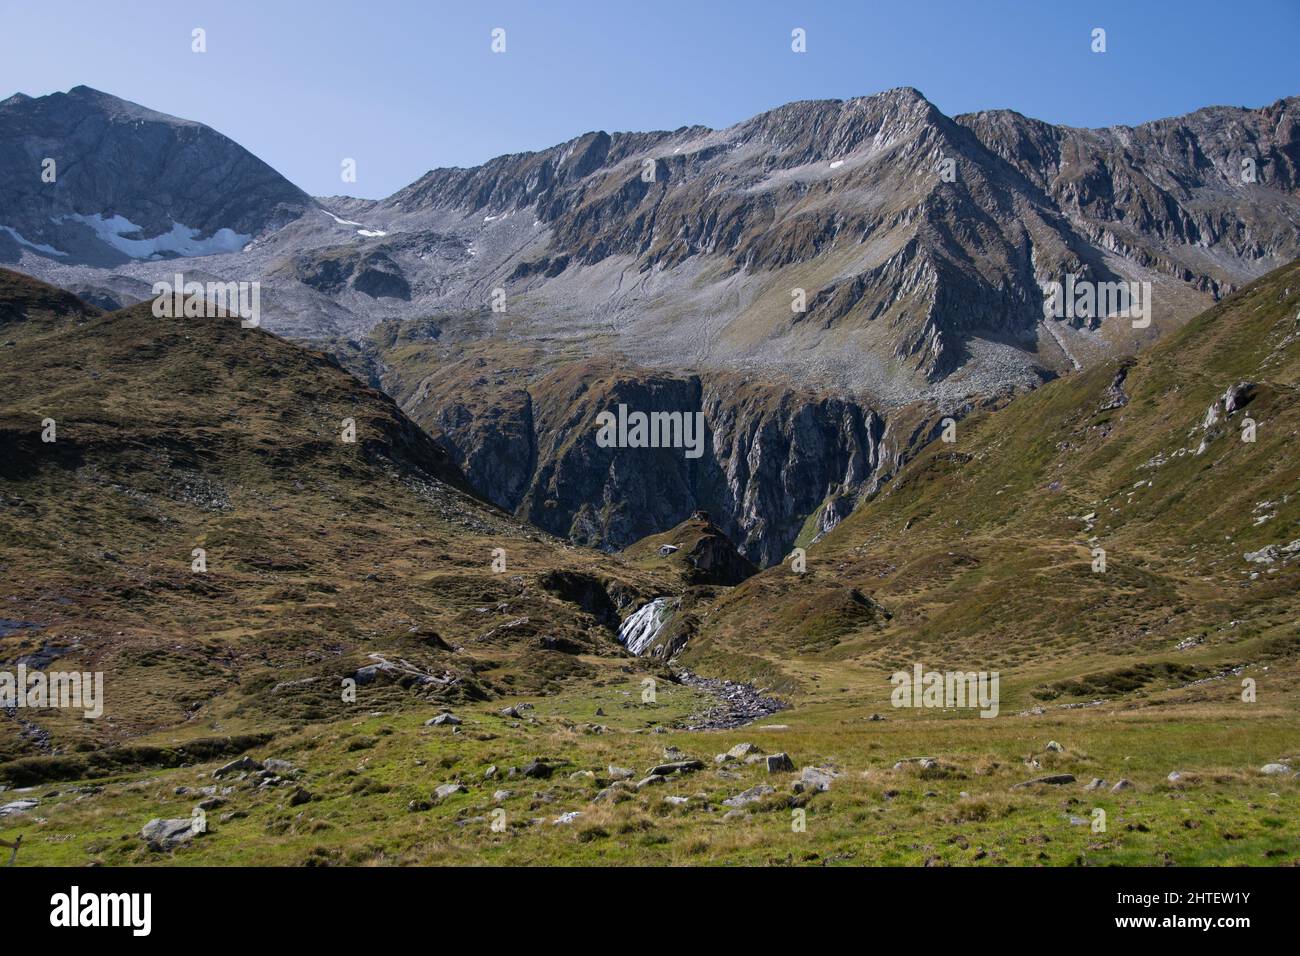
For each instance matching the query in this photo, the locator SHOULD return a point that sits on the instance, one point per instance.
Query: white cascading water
(641, 628)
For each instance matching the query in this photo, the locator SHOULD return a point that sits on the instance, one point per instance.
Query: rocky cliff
(770, 456)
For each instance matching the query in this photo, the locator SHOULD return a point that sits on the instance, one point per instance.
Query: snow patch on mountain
(39, 247)
(361, 230)
(182, 240)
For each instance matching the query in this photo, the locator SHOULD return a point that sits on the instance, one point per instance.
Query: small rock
(740, 751)
(921, 760)
(1121, 784)
(1054, 780)
(243, 763)
(300, 796)
(18, 806)
(442, 720)
(1265, 555)
(1055, 747)
(752, 795)
(1272, 769)
(538, 769)
(676, 801)
(1096, 784)
(448, 790)
(678, 766)
(1174, 777)
(780, 763)
(568, 817)
(651, 781)
(490, 772)
(500, 795)
(618, 773)
(817, 779)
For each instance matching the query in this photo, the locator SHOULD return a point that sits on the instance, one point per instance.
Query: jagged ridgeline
(823, 282)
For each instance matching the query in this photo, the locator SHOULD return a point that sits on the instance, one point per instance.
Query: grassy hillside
(323, 557)
(982, 549)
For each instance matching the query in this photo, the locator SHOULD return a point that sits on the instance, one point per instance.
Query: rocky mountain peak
(87, 177)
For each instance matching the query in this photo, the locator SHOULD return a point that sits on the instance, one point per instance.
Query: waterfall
(639, 631)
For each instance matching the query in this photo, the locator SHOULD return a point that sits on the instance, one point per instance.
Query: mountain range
(505, 305)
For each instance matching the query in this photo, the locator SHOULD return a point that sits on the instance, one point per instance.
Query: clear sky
(403, 86)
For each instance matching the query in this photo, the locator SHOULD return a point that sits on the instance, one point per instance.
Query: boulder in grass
(165, 835)
(246, 764)
(817, 779)
(752, 795)
(538, 769)
(677, 766)
(1051, 780)
(780, 763)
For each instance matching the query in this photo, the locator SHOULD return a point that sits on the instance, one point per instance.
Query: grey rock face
(114, 158)
(771, 457)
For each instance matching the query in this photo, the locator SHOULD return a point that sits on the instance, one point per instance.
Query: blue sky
(403, 86)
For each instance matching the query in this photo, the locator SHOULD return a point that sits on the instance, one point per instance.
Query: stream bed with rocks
(736, 704)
